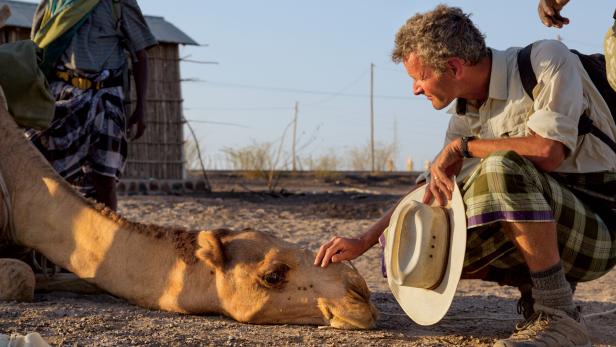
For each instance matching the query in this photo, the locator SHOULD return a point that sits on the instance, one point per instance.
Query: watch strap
(464, 146)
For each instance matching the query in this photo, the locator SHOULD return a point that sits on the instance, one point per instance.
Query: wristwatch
(464, 146)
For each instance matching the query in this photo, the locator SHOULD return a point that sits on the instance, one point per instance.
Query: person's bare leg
(105, 190)
(537, 242)
(558, 321)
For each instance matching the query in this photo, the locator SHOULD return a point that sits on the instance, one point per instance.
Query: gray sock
(551, 289)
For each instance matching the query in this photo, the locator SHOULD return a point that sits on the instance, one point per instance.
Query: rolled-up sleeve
(135, 27)
(559, 98)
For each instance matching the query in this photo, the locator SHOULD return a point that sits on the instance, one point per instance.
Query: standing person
(84, 45)
(549, 13)
(539, 198)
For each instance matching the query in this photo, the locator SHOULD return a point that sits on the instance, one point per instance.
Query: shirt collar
(498, 88)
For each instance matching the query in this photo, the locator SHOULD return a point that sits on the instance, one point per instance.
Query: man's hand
(549, 13)
(446, 165)
(136, 124)
(339, 249)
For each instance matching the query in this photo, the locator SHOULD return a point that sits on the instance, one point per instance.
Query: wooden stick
(5, 13)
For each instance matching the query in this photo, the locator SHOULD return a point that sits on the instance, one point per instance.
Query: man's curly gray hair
(439, 35)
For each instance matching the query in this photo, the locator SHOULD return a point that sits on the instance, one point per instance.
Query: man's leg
(105, 190)
(520, 218)
(537, 242)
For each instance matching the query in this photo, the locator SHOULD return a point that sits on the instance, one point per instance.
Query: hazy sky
(272, 53)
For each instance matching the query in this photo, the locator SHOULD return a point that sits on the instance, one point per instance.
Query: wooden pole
(372, 115)
(295, 135)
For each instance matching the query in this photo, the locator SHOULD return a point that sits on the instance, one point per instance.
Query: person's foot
(548, 327)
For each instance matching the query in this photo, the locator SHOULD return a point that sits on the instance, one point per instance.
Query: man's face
(438, 88)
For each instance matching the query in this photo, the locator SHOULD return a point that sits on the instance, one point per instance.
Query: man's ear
(211, 248)
(456, 67)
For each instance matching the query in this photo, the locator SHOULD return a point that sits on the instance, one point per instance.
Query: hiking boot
(548, 327)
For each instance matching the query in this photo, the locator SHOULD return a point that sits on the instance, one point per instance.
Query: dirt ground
(307, 212)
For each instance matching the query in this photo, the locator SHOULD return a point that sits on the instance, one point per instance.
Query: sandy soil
(481, 312)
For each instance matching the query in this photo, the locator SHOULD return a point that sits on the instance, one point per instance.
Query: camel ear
(211, 249)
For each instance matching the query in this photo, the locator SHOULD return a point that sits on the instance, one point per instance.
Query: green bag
(25, 87)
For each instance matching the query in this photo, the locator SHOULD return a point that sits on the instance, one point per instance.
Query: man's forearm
(371, 236)
(546, 154)
(140, 68)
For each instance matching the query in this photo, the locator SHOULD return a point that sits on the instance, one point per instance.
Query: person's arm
(140, 70)
(549, 13)
(546, 154)
(342, 248)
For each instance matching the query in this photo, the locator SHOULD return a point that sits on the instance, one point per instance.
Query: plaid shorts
(506, 187)
(88, 134)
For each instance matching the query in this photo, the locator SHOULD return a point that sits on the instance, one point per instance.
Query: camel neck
(95, 244)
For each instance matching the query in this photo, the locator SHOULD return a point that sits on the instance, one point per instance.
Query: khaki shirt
(564, 90)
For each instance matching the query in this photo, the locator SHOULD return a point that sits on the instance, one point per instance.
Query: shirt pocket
(510, 124)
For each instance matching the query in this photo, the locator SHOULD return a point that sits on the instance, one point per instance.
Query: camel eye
(273, 278)
(276, 277)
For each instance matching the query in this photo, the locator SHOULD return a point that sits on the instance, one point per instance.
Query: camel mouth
(354, 311)
(357, 317)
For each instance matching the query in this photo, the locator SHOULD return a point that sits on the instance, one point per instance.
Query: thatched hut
(158, 154)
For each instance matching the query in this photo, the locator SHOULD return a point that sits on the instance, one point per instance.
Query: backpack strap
(529, 81)
(527, 75)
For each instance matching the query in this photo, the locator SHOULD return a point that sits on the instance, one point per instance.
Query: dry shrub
(360, 157)
(324, 165)
(256, 159)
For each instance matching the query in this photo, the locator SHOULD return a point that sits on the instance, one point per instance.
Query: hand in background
(136, 124)
(549, 13)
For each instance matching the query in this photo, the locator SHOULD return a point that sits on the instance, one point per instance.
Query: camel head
(261, 279)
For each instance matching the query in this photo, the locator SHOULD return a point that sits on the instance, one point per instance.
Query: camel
(247, 275)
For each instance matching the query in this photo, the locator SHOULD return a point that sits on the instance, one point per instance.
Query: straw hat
(424, 254)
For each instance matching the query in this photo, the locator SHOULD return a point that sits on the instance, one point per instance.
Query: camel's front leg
(16, 280)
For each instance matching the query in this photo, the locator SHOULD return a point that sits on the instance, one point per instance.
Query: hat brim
(429, 306)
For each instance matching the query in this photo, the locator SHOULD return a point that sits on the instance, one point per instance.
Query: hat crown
(420, 246)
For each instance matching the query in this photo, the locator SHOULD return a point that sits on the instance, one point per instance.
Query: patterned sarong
(88, 133)
(506, 187)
